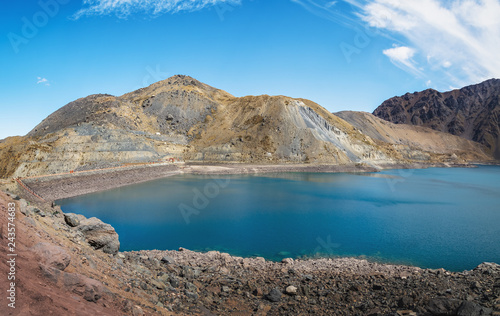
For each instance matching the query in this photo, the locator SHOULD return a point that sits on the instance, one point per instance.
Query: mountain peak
(470, 112)
(179, 82)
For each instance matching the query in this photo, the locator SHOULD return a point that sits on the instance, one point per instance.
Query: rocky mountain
(185, 119)
(472, 112)
(422, 140)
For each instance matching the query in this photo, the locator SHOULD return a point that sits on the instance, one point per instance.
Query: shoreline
(57, 187)
(168, 282)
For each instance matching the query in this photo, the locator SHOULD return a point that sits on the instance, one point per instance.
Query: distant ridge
(472, 112)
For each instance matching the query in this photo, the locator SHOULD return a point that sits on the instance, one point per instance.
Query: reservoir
(431, 218)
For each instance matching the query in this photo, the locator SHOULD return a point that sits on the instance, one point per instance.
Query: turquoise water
(432, 218)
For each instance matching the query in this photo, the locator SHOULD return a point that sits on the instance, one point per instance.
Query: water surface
(433, 218)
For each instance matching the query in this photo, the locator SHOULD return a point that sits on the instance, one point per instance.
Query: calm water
(429, 218)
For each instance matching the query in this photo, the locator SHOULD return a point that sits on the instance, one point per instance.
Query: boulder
(71, 219)
(99, 235)
(91, 290)
(274, 295)
(442, 306)
(291, 290)
(52, 256)
(472, 309)
(167, 260)
(287, 261)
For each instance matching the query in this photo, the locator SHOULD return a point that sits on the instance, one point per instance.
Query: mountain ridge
(185, 119)
(472, 112)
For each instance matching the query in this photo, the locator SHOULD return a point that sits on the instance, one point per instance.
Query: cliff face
(183, 118)
(472, 112)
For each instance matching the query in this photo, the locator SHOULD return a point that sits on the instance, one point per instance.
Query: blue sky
(345, 55)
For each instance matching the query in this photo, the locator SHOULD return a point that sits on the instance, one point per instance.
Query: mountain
(472, 112)
(406, 136)
(185, 119)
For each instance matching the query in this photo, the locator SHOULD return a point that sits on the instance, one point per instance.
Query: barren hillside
(185, 119)
(472, 112)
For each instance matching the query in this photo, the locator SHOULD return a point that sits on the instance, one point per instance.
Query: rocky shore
(72, 266)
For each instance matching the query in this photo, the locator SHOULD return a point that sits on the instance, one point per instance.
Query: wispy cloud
(43, 81)
(336, 11)
(456, 41)
(458, 37)
(124, 8)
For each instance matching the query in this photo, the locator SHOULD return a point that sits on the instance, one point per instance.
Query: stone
(158, 285)
(308, 277)
(174, 281)
(52, 256)
(439, 306)
(191, 295)
(91, 290)
(137, 311)
(291, 290)
(258, 292)
(99, 235)
(287, 261)
(190, 287)
(472, 309)
(167, 260)
(71, 219)
(274, 295)
(23, 206)
(187, 272)
(405, 302)
(225, 288)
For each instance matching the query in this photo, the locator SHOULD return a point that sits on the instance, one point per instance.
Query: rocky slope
(70, 265)
(420, 141)
(472, 112)
(183, 118)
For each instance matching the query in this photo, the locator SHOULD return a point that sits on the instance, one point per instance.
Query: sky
(344, 55)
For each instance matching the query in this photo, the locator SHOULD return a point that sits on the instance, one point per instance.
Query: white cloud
(400, 54)
(455, 41)
(402, 57)
(124, 8)
(446, 64)
(41, 80)
(460, 35)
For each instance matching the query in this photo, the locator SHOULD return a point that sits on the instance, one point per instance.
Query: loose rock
(71, 219)
(99, 235)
